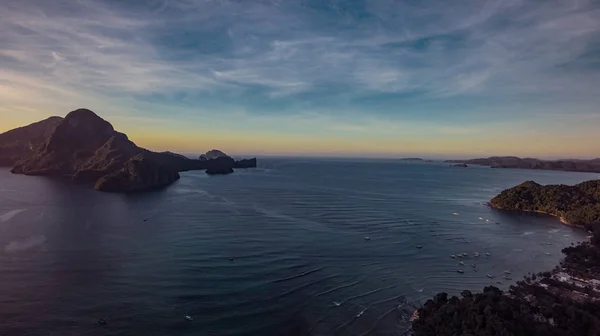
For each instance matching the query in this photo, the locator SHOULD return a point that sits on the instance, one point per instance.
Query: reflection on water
(278, 250)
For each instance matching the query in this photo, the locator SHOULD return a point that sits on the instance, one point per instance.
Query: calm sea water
(296, 229)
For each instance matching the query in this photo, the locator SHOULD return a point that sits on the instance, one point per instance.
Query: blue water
(296, 229)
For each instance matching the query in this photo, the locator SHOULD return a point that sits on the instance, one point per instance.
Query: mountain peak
(80, 128)
(82, 113)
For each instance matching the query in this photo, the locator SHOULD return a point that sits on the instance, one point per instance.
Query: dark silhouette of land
(591, 166)
(87, 148)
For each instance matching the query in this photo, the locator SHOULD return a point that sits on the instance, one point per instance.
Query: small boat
(507, 277)
(487, 220)
(475, 254)
(189, 318)
(419, 246)
(488, 254)
(367, 238)
(497, 222)
(506, 272)
(102, 322)
(452, 256)
(337, 304)
(455, 213)
(231, 258)
(489, 276)
(460, 271)
(480, 218)
(466, 241)
(414, 316)
(461, 263)
(473, 265)
(547, 253)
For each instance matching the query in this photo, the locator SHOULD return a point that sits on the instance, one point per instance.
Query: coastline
(560, 218)
(573, 285)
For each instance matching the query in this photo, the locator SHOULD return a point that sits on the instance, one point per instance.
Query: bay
(277, 250)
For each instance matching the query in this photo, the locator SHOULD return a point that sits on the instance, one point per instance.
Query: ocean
(295, 247)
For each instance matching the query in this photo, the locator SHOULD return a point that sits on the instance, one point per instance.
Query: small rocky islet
(563, 301)
(87, 148)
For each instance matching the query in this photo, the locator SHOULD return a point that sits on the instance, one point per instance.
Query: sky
(382, 78)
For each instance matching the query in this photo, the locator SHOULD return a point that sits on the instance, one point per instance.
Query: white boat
(461, 263)
(488, 254)
(489, 276)
(189, 318)
(452, 256)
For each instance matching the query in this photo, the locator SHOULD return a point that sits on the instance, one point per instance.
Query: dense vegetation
(528, 308)
(577, 205)
(564, 301)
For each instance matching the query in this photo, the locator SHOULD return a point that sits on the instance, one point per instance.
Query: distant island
(563, 301)
(590, 166)
(86, 148)
(412, 159)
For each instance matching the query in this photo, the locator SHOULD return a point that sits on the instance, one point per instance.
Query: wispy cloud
(288, 47)
(276, 56)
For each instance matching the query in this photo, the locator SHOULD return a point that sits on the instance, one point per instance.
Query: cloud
(343, 59)
(287, 48)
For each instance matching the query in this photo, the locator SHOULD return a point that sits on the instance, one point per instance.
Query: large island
(87, 148)
(562, 301)
(590, 166)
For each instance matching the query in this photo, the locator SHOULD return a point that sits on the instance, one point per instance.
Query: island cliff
(87, 148)
(563, 301)
(19, 143)
(137, 174)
